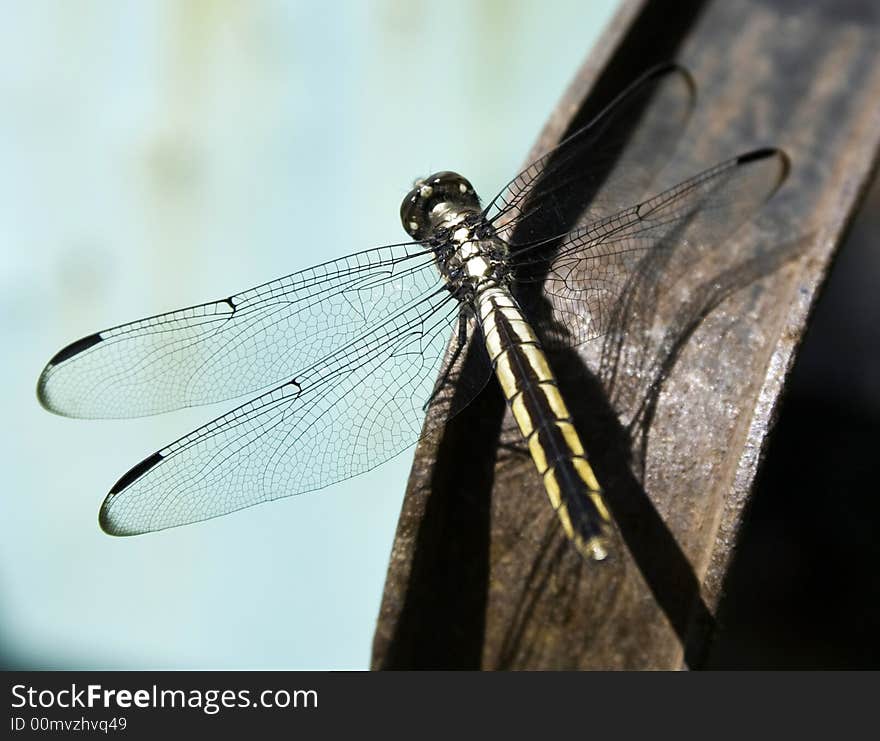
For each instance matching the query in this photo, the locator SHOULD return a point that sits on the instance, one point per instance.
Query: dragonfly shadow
(442, 621)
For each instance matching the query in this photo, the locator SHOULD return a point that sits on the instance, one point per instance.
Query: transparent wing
(588, 275)
(347, 413)
(247, 342)
(603, 166)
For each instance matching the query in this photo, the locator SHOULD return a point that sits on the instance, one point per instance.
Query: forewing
(247, 342)
(347, 413)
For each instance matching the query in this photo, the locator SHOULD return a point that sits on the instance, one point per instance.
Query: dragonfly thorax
(471, 258)
(444, 210)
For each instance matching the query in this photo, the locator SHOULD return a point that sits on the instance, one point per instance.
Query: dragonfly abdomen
(543, 418)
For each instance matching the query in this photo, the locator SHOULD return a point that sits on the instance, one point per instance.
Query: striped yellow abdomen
(540, 412)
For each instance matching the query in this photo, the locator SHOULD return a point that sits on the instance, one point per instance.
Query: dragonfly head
(434, 200)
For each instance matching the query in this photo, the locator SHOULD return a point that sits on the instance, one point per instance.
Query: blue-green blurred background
(155, 155)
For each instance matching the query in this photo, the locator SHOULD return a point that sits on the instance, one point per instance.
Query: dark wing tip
(75, 348)
(107, 522)
(767, 153)
(135, 473)
(757, 154)
(63, 355)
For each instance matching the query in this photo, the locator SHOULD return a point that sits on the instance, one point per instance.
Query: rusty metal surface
(675, 408)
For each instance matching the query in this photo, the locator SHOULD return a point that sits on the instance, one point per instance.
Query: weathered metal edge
(864, 163)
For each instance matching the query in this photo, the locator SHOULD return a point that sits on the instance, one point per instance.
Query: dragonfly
(353, 360)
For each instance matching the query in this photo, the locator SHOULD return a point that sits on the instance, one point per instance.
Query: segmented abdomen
(544, 420)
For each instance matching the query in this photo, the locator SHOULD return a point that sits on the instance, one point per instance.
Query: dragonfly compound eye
(449, 190)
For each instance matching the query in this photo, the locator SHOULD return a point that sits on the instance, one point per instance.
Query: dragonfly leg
(460, 343)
